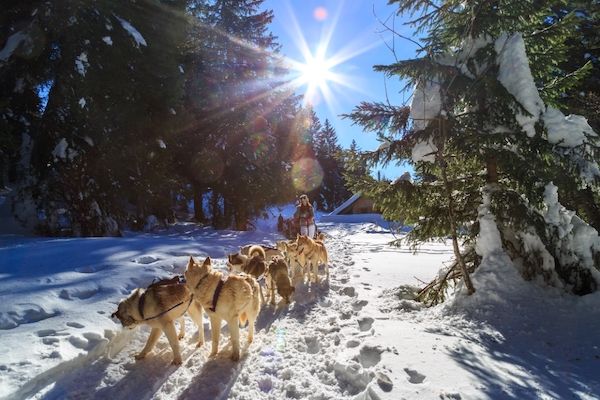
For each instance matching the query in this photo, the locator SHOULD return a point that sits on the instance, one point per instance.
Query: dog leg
(195, 312)
(152, 339)
(252, 314)
(181, 327)
(272, 289)
(315, 265)
(215, 330)
(262, 296)
(171, 333)
(273, 293)
(234, 331)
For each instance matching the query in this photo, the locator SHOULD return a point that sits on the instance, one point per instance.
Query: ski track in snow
(308, 340)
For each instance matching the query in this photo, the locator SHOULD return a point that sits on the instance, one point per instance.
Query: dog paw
(139, 356)
(177, 361)
(181, 335)
(200, 343)
(235, 357)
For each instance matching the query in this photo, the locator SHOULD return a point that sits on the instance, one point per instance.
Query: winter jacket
(305, 215)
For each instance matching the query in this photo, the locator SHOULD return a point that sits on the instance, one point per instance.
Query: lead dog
(158, 307)
(232, 299)
(311, 251)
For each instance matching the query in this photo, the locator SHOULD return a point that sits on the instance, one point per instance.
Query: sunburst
(316, 75)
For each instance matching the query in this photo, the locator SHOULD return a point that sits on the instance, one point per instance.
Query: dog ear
(207, 261)
(190, 263)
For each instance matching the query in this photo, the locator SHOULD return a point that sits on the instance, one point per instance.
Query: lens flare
(307, 174)
(261, 148)
(320, 13)
(280, 344)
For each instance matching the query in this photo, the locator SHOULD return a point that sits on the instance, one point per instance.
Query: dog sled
(291, 229)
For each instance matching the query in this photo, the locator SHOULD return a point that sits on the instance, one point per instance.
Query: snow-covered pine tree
(484, 143)
(113, 82)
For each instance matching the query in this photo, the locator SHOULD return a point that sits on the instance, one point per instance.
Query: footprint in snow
(359, 304)
(30, 316)
(91, 269)
(370, 355)
(313, 346)
(414, 376)
(384, 382)
(146, 260)
(84, 294)
(365, 323)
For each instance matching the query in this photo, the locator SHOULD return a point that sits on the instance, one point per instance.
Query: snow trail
(294, 353)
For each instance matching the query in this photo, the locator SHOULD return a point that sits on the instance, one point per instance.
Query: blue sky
(352, 39)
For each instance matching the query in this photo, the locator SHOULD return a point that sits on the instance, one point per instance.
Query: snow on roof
(344, 205)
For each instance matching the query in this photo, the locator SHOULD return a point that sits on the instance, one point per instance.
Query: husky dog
(278, 278)
(253, 264)
(235, 298)
(158, 307)
(290, 249)
(270, 252)
(311, 251)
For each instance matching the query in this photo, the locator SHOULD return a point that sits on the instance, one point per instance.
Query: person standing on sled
(305, 216)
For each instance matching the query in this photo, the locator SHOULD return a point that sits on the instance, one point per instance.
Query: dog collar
(200, 281)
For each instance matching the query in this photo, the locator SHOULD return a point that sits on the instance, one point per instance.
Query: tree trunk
(451, 218)
(586, 196)
(198, 200)
(492, 170)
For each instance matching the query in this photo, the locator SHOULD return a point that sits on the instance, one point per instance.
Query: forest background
(115, 111)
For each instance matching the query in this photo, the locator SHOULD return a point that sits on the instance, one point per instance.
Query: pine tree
(328, 153)
(485, 151)
(20, 40)
(240, 104)
(112, 70)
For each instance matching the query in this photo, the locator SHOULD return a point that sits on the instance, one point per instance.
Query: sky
(351, 36)
(353, 335)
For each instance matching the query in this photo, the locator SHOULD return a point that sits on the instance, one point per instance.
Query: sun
(316, 71)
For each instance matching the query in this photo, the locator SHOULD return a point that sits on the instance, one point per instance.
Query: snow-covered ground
(349, 337)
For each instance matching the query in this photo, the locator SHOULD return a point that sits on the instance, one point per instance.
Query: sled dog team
(236, 298)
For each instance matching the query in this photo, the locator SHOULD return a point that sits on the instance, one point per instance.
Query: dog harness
(141, 307)
(217, 291)
(216, 295)
(176, 280)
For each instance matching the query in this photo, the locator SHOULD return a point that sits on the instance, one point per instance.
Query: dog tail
(257, 250)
